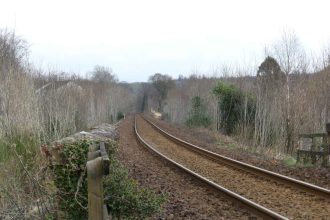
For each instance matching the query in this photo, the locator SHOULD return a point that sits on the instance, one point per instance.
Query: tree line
(286, 94)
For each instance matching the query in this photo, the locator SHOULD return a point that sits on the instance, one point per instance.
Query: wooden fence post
(97, 166)
(326, 146)
(95, 189)
(328, 132)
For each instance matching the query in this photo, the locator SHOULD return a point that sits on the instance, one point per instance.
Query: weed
(25, 146)
(289, 161)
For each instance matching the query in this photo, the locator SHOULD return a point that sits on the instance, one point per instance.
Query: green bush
(124, 197)
(66, 178)
(197, 115)
(120, 115)
(289, 161)
(233, 106)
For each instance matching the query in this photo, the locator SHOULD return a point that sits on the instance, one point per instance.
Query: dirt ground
(209, 141)
(187, 198)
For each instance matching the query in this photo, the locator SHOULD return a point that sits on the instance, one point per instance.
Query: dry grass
(37, 108)
(23, 188)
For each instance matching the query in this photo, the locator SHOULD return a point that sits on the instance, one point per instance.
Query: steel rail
(247, 167)
(257, 209)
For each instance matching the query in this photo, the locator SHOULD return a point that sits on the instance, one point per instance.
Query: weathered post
(326, 151)
(95, 189)
(97, 166)
(328, 132)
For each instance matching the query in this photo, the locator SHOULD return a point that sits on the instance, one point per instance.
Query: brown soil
(217, 143)
(286, 200)
(188, 198)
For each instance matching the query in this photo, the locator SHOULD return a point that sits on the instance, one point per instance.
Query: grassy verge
(23, 145)
(22, 195)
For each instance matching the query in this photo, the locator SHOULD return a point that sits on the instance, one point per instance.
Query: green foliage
(162, 83)
(271, 70)
(197, 115)
(125, 198)
(270, 78)
(25, 146)
(120, 115)
(289, 161)
(235, 107)
(67, 177)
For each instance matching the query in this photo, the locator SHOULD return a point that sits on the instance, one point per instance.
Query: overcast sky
(139, 38)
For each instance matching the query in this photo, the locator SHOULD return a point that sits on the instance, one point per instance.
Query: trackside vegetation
(234, 107)
(123, 197)
(198, 116)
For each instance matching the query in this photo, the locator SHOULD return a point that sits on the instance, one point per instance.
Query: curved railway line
(267, 194)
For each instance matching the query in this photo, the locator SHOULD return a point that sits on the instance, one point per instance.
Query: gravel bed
(187, 197)
(286, 200)
(210, 140)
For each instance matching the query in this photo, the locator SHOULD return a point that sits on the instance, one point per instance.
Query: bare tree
(102, 74)
(268, 120)
(325, 56)
(291, 58)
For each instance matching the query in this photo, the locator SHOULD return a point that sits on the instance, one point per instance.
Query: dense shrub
(234, 107)
(66, 178)
(198, 116)
(120, 115)
(124, 197)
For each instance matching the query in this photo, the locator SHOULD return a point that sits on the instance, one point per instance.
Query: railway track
(267, 194)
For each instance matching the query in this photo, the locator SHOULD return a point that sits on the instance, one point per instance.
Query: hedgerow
(124, 198)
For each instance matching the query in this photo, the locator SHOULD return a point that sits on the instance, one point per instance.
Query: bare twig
(41, 205)
(11, 199)
(80, 181)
